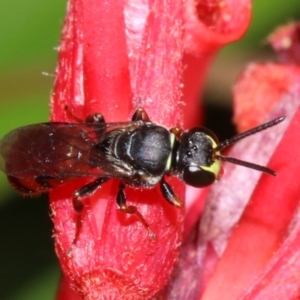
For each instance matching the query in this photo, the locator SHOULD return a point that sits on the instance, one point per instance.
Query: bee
(140, 153)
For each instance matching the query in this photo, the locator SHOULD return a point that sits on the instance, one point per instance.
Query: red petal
(258, 90)
(201, 270)
(281, 212)
(212, 24)
(93, 72)
(209, 26)
(264, 223)
(285, 40)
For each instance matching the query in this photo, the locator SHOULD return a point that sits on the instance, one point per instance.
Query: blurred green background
(29, 35)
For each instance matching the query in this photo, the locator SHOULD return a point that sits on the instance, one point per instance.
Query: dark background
(29, 33)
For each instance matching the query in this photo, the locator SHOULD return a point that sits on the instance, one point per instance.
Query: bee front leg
(78, 204)
(121, 202)
(169, 194)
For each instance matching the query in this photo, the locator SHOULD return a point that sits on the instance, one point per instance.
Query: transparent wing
(58, 150)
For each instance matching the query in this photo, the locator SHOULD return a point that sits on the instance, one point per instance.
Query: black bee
(140, 153)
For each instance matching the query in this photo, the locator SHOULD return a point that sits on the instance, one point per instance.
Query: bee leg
(121, 202)
(177, 131)
(140, 115)
(78, 204)
(95, 119)
(90, 119)
(169, 194)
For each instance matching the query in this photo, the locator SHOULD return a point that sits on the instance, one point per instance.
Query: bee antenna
(246, 164)
(242, 135)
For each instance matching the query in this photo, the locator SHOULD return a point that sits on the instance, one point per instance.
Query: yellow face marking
(216, 166)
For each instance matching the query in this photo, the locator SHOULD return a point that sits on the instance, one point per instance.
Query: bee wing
(56, 150)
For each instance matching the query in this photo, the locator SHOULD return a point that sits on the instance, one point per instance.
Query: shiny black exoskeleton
(140, 153)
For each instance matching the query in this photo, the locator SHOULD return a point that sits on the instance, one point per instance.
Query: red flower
(117, 55)
(247, 243)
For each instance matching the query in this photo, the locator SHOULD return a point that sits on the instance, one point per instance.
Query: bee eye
(198, 177)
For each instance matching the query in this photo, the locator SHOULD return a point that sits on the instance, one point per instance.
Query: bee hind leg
(78, 204)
